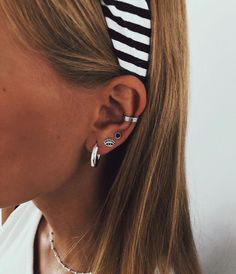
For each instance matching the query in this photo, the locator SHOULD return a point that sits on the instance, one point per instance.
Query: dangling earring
(94, 156)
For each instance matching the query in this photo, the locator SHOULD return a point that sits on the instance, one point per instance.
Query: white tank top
(17, 237)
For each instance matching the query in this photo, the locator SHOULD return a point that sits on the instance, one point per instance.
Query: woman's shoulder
(5, 213)
(19, 220)
(17, 238)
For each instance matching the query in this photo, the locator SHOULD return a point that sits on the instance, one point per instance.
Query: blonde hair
(144, 222)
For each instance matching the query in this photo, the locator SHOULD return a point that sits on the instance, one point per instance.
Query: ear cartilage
(109, 142)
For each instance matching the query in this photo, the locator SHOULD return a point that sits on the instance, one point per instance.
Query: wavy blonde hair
(145, 216)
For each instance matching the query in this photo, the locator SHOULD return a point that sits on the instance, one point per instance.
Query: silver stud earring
(109, 142)
(94, 156)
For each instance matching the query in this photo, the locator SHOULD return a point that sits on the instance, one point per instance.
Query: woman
(93, 138)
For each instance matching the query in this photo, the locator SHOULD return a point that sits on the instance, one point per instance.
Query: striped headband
(129, 27)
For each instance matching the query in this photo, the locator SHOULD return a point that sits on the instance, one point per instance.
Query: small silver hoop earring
(94, 156)
(131, 119)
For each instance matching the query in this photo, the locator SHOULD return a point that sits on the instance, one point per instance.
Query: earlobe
(109, 142)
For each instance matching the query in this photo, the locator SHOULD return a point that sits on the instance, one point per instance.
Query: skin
(48, 129)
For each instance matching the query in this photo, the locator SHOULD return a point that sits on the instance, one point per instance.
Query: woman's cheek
(37, 152)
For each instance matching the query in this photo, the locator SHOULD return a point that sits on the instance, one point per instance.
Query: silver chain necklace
(59, 259)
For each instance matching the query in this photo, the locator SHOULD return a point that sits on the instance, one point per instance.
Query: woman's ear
(123, 95)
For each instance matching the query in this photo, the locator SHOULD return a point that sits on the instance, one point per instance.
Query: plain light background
(211, 137)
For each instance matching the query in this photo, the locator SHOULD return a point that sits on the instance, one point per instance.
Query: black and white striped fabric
(129, 27)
